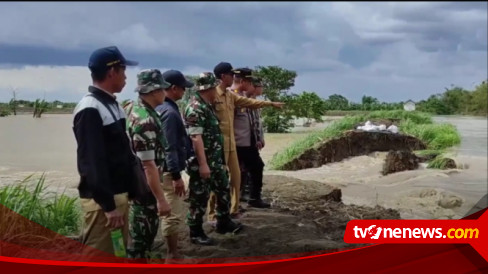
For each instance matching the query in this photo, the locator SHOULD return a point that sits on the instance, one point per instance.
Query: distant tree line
(278, 81)
(38, 107)
(31, 104)
(456, 100)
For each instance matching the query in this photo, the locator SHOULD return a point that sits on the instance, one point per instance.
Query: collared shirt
(145, 130)
(110, 94)
(225, 104)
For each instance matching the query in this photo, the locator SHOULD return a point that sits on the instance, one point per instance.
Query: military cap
(149, 80)
(205, 80)
(243, 72)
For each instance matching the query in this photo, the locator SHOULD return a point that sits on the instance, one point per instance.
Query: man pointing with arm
(225, 103)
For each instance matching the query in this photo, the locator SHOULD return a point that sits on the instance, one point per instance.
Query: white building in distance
(409, 105)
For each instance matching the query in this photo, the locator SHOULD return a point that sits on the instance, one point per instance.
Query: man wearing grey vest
(247, 138)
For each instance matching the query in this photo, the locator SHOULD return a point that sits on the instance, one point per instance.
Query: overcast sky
(392, 51)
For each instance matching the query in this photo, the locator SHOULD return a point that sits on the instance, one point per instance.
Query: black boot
(198, 236)
(228, 226)
(258, 203)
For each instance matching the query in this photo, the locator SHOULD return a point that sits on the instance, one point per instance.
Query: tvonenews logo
(473, 232)
(375, 232)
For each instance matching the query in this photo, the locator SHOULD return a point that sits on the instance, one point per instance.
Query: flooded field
(299, 217)
(47, 145)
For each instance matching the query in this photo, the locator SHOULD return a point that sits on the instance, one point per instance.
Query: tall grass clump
(436, 136)
(4, 113)
(417, 124)
(59, 212)
(439, 162)
(298, 147)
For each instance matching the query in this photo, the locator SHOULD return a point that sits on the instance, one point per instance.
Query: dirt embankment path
(307, 216)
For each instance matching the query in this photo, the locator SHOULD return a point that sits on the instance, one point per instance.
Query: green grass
(438, 162)
(344, 112)
(4, 112)
(437, 136)
(59, 212)
(418, 124)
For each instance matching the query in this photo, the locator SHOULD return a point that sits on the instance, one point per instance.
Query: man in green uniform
(145, 131)
(207, 171)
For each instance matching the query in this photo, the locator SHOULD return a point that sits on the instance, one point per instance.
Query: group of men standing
(217, 134)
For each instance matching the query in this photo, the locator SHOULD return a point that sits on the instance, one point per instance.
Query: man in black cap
(104, 155)
(225, 103)
(177, 150)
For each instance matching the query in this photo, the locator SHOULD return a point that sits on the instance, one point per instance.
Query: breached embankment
(353, 143)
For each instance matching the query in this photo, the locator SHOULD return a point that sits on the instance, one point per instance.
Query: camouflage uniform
(201, 119)
(144, 128)
(143, 228)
